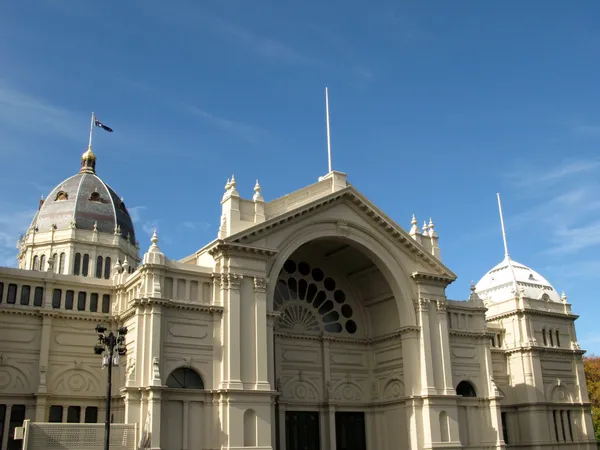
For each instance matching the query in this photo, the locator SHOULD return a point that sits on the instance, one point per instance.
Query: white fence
(77, 436)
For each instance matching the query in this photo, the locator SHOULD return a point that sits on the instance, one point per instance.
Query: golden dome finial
(88, 161)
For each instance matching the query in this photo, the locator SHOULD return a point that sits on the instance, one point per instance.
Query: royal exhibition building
(311, 322)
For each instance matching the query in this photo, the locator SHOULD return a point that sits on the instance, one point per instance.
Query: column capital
(442, 306)
(422, 304)
(260, 284)
(231, 281)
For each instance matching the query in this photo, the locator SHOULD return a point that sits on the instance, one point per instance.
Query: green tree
(591, 365)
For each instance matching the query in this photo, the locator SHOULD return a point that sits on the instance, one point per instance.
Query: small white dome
(498, 284)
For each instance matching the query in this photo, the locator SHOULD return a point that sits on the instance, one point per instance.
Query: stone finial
(154, 240)
(432, 232)
(117, 268)
(228, 185)
(257, 197)
(95, 227)
(563, 297)
(425, 228)
(232, 185)
(414, 229)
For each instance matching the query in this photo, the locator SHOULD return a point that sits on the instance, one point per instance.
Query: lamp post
(107, 343)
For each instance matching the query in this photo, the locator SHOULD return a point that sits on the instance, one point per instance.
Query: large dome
(86, 201)
(499, 283)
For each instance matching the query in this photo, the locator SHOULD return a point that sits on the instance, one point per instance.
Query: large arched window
(43, 263)
(36, 263)
(77, 264)
(185, 378)
(86, 265)
(99, 267)
(107, 263)
(465, 389)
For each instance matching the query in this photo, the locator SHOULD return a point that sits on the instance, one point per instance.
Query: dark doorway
(302, 430)
(350, 431)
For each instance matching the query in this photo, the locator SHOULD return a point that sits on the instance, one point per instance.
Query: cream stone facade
(312, 321)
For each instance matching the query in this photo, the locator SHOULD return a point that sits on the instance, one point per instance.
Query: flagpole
(328, 131)
(91, 130)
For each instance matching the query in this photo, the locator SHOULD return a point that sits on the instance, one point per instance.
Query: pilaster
(154, 408)
(446, 360)
(262, 354)
(427, 378)
(230, 292)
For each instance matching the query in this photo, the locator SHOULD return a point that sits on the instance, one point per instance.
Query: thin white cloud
(25, 112)
(538, 174)
(13, 223)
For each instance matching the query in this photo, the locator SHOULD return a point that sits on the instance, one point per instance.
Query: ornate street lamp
(107, 343)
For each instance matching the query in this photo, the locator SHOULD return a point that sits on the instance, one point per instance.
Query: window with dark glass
(11, 296)
(504, 427)
(94, 302)
(36, 263)
(105, 303)
(55, 261)
(1, 295)
(56, 298)
(69, 299)
(99, 267)
(77, 264)
(73, 414)
(17, 416)
(91, 414)
(2, 420)
(81, 297)
(107, 263)
(465, 389)
(43, 262)
(86, 265)
(25, 293)
(38, 296)
(55, 415)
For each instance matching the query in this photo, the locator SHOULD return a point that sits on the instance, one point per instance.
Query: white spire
(502, 225)
(328, 130)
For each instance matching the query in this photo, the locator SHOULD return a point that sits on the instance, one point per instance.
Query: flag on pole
(101, 125)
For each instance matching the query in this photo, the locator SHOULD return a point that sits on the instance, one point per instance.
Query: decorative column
(154, 408)
(230, 291)
(427, 379)
(261, 344)
(444, 339)
(186, 421)
(154, 334)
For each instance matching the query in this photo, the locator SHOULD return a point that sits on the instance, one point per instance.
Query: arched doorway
(183, 410)
(338, 351)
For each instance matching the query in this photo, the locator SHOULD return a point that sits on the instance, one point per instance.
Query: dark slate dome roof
(87, 200)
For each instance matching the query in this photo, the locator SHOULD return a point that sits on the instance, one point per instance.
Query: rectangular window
(55, 415)
(56, 298)
(81, 301)
(17, 416)
(554, 414)
(106, 303)
(73, 414)
(2, 419)
(11, 297)
(504, 428)
(94, 302)
(69, 299)
(25, 293)
(91, 414)
(570, 425)
(38, 296)
(1, 298)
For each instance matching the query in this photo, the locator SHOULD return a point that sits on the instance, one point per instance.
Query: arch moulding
(368, 243)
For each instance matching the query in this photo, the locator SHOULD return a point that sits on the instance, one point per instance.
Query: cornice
(23, 310)
(547, 351)
(532, 312)
(231, 249)
(363, 206)
(421, 277)
(178, 304)
(471, 334)
(346, 339)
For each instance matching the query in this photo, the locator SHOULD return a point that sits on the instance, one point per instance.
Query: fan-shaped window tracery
(311, 301)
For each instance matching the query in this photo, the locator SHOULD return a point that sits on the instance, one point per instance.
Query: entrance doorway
(350, 431)
(302, 430)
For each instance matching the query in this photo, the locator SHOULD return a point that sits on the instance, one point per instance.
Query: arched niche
(184, 378)
(365, 241)
(466, 389)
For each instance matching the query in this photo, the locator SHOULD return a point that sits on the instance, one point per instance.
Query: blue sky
(435, 107)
